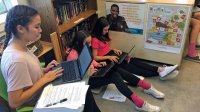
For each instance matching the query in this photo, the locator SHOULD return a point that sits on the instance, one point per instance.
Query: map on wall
(166, 25)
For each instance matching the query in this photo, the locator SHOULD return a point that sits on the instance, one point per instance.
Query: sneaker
(195, 59)
(146, 107)
(140, 77)
(170, 76)
(154, 92)
(197, 47)
(167, 70)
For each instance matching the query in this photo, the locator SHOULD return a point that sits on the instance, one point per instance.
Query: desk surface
(188, 2)
(46, 48)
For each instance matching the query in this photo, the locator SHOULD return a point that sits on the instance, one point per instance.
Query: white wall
(23, 2)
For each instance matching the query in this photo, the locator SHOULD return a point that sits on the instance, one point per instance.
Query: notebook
(75, 70)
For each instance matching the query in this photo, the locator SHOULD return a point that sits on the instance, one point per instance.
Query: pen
(61, 101)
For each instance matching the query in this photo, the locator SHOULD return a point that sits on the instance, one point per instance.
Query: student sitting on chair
(195, 29)
(102, 52)
(113, 76)
(21, 69)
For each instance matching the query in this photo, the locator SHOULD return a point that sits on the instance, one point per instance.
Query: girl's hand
(114, 59)
(117, 51)
(93, 71)
(50, 65)
(102, 64)
(128, 59)
(51, 75)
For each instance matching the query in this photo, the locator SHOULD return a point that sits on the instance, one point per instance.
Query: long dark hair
(98, 29)
(18, 15)
(78, 40)
(196, 2)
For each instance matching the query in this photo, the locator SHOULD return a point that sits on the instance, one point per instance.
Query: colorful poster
(127, 17)
(166, 25)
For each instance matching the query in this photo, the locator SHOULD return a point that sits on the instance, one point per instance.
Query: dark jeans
(4, 107)
(115, 78)
(140, 68)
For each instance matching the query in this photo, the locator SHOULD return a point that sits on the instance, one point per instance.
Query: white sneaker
(167, 70)
(148, 108)
(170, 76)
(140, 77)
(154, 92)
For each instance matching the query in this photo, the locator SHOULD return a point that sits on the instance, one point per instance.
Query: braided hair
(18, 15)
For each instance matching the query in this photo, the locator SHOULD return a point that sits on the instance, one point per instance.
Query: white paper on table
(113, 94)
(74, 92)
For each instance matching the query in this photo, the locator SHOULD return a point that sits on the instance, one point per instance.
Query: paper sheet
(75, 94)
(113, 94)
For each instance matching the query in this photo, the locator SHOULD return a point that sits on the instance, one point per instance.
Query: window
(5, 5)
(3, 8)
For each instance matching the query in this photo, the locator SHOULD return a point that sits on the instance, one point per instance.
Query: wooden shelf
(75, 20)
(46, 48)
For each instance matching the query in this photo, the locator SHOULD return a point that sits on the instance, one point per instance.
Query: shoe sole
(153, 95)
(188, 58)
(168, 77)
(139, 110)
(140, 77)
(171, 71)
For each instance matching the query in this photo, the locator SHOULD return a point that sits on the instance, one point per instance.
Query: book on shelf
(67, 9)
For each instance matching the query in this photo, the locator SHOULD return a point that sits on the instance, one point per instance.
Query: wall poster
(166, 27)
(126, 17)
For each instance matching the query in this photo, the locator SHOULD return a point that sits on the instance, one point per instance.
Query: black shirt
(117, 24)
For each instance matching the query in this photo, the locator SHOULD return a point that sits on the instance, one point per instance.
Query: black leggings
(139, 68)
(136, 66)
(115, 78)
(90, 104)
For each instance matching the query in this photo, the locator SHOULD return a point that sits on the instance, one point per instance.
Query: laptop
(103, 70)
(75, 70)
(123, 55)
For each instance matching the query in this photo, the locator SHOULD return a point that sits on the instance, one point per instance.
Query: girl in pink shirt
(102, 52)
(113, 76)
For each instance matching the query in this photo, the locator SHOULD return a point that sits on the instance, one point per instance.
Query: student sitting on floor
(21, 69)
(102, 52)
(113, 76)
(195, 29)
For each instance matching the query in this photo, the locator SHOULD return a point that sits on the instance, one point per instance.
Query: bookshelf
(50, 10)
(74, 21)
(46, 48)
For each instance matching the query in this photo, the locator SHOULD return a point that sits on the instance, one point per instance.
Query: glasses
(115, 11)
